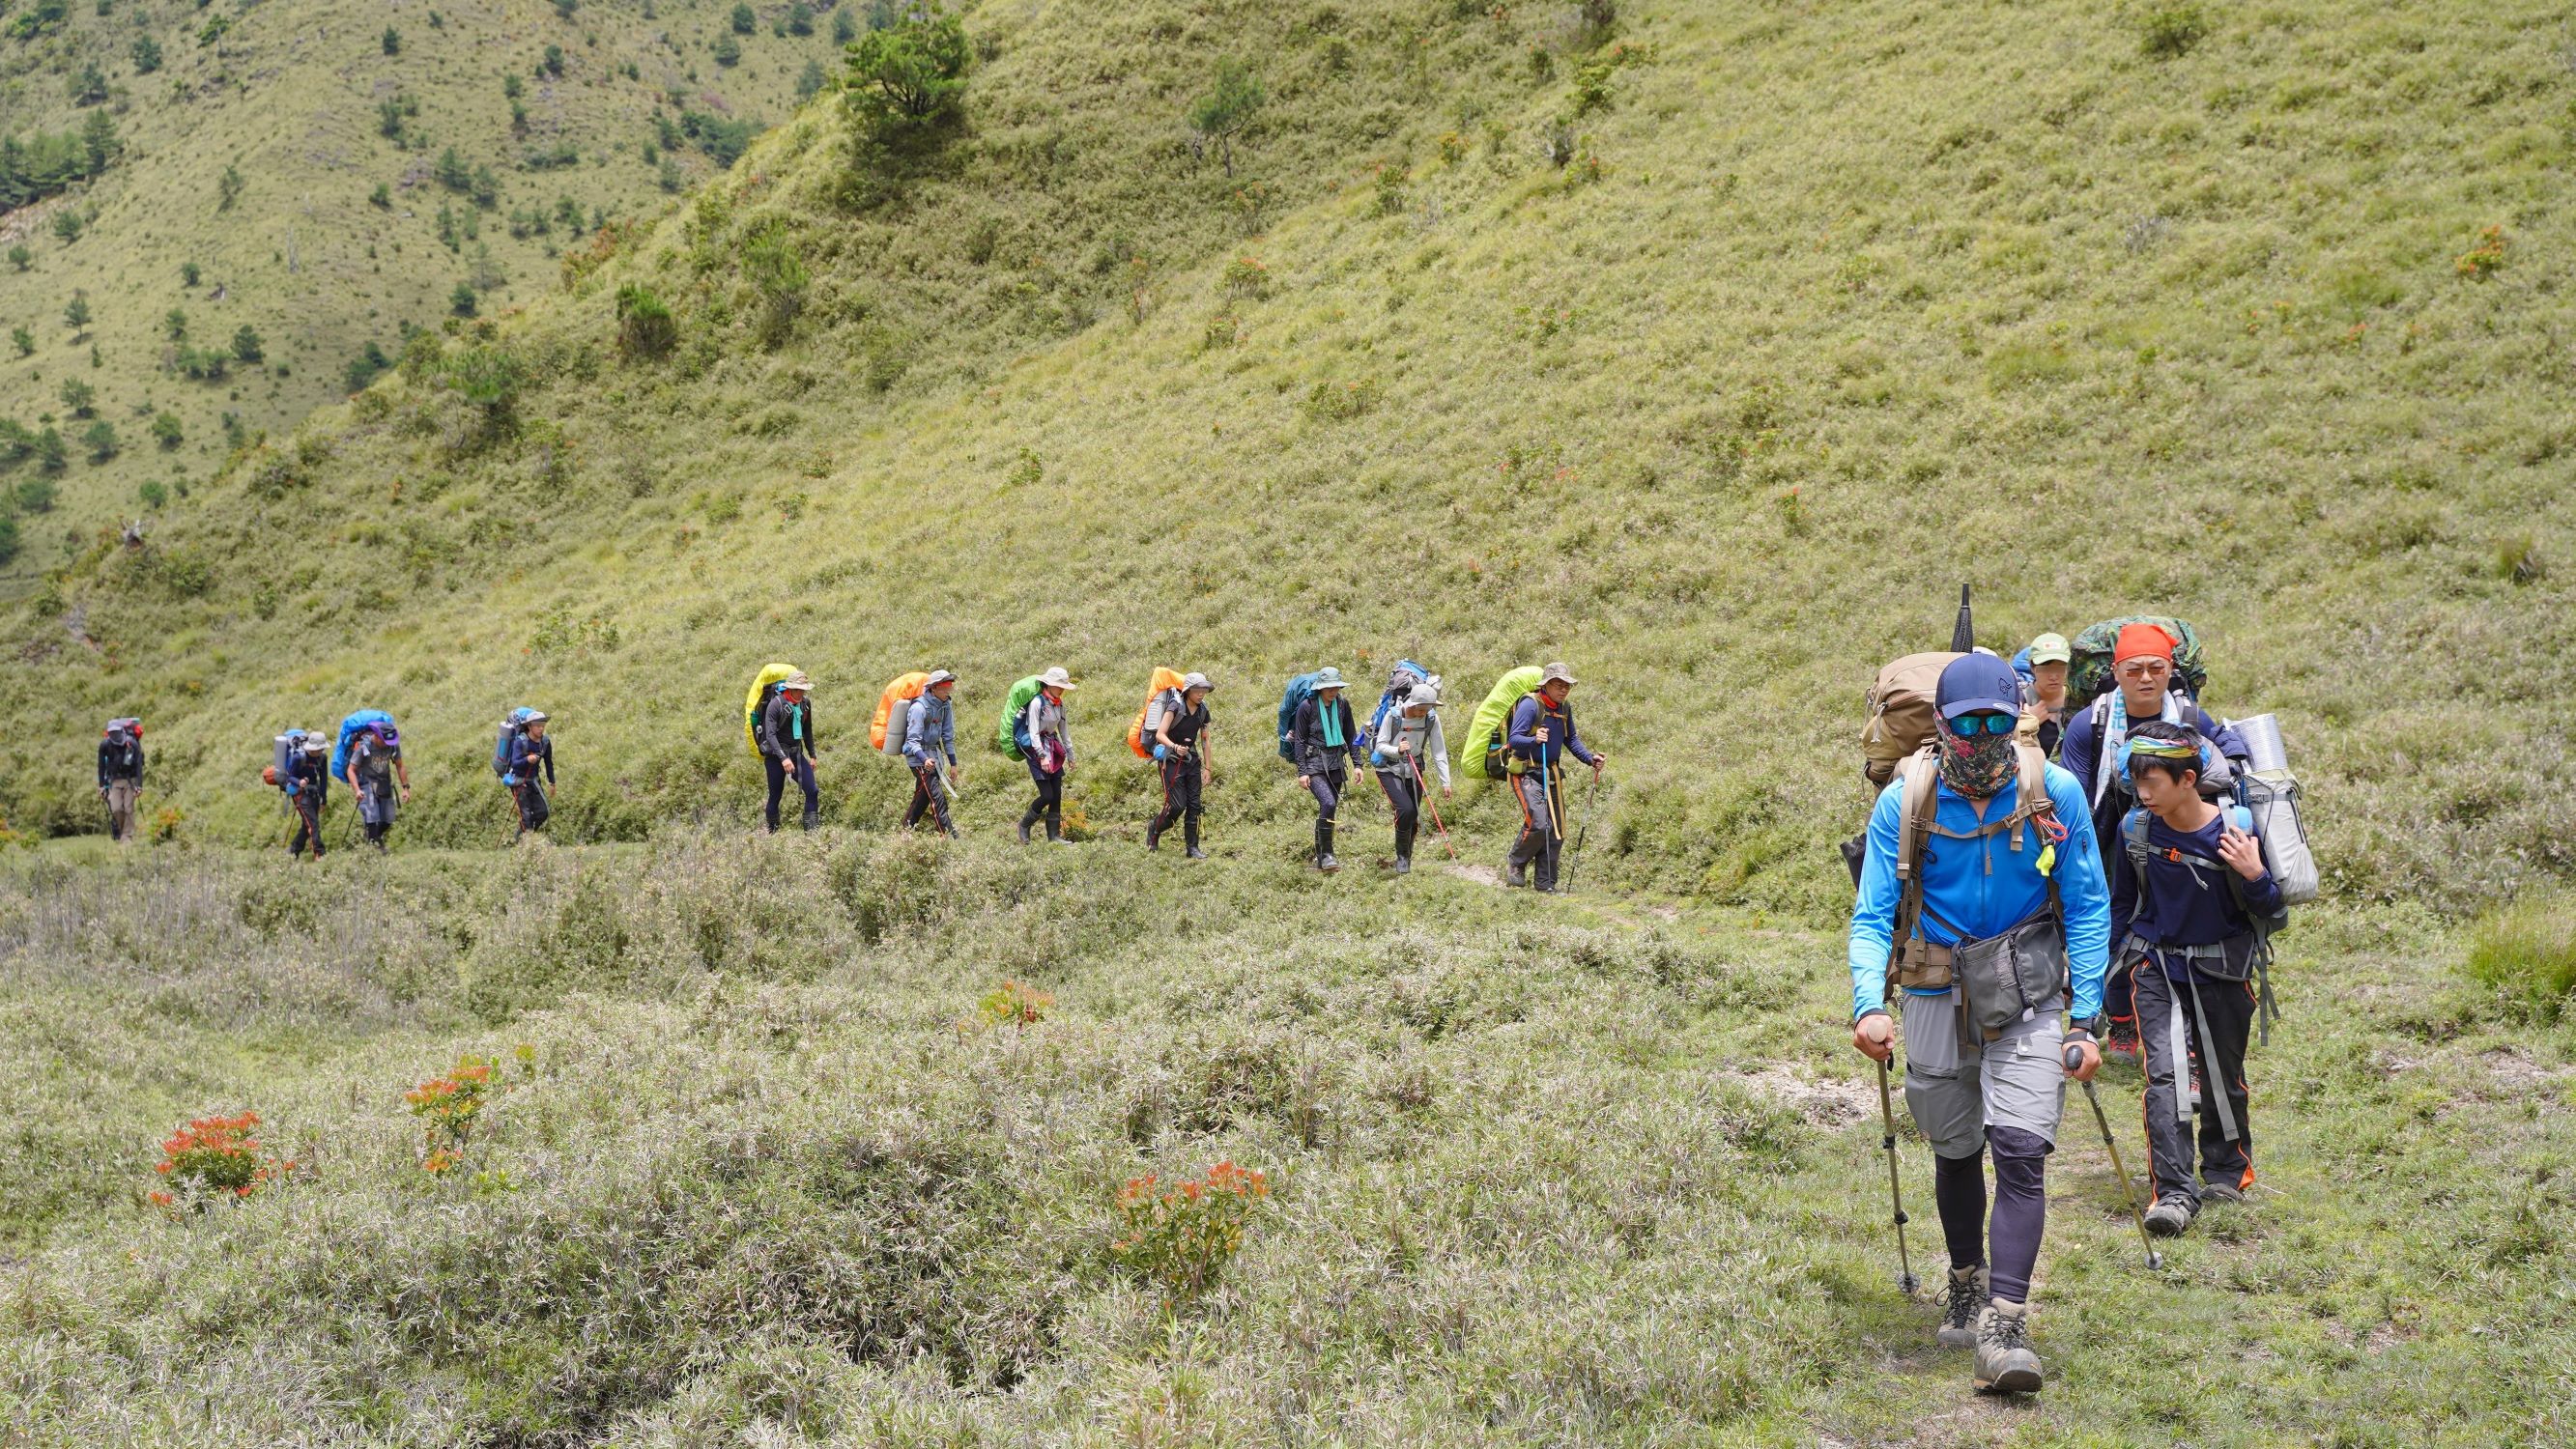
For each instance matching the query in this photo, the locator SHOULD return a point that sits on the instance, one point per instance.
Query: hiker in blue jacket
(2191, 932)
(1985, 867)
(532, 756)
(2143, 670)
(1541, 733)
(308, 789)
(929, 744)
(1326, 742)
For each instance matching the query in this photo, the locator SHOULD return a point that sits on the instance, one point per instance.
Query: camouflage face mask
(1976, 765)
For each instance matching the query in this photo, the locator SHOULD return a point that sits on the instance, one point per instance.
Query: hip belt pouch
(2008, 978)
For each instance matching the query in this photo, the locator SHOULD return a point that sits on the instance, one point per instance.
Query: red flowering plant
(214, 1159)
(1012, 1004)
(450, 1107)
(1182, 1234)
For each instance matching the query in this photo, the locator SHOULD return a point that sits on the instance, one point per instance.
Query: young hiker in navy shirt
(2191, 934)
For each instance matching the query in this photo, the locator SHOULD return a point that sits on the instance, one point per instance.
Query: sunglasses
(1969, 726)
(2144, 669)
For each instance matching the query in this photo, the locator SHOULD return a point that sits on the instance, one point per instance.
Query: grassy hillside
(291, 99)
(1824, 312)
(1707, 346)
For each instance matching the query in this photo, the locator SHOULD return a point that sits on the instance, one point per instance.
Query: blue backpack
(1300, 690)
(349, 731)
(1399, 682)
(510, 726)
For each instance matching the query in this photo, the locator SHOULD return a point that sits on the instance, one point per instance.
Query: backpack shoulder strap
(1919, 775)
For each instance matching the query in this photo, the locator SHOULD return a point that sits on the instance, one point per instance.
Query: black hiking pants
(2230, 1006)
(1049, 805)
(534, 808)
(1327, 789)
(1182, 788)
(929, 797)
(802, 767)
(1540, 842)
(307, 805)
(1404, 798)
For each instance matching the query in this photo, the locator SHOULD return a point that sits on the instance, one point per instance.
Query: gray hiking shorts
(2016, 1080)
(376, 807)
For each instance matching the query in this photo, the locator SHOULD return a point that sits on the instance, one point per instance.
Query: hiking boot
(1024, 830)
(1327, 864)
(1962, 1299)
(813, 819)
(1153, 839)
(1194, 853)
(2222, 1191)
(2172, 1213)
(1404, 865)
(1515, 874)
(2123, 1039)
(2006, 1363)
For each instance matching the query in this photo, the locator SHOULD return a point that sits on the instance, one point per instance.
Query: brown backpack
(1901, 716)
(1915, 962)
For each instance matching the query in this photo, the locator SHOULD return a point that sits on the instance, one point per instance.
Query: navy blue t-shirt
(2187, 904)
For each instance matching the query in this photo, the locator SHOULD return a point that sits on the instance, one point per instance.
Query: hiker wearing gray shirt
(1406, 738)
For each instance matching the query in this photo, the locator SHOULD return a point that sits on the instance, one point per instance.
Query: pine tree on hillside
(392, 41)
(76, 314)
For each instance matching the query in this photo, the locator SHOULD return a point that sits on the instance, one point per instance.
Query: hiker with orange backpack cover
(930, 748)
(1178, 723)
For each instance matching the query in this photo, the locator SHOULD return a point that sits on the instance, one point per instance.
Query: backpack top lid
(1902, 710)
(348, 735)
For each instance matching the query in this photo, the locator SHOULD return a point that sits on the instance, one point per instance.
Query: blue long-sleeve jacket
(930, 722)
(1526, 718)
(527, 757)
(1983, 887)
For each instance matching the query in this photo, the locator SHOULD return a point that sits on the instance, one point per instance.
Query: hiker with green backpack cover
(1041, 738)
(1541, 734)
(2197, 904)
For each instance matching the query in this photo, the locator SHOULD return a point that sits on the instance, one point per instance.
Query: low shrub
(1181, 1235)
(214, 1159)
(2525, 952)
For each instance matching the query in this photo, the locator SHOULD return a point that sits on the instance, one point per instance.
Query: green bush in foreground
(2526, 952)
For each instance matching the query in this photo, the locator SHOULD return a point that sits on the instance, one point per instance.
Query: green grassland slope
(1708, 349)
(1824, 311)
(290, 97)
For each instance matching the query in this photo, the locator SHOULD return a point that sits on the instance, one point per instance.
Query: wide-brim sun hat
(1554, 672)
(798, 680)
(1195, 681)
(1329, 678)
(937, 678)
(1425, 693)
(1057, 678)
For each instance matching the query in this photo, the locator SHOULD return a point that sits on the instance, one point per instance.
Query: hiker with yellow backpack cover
(1982, 910)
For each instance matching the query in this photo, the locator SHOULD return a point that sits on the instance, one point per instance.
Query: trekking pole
(1591, 807)
(1422, 791)
(1906, 1282)
(2155, 1260)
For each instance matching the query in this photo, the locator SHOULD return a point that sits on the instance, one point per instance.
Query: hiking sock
(1959, 1194)
(2021, 1209)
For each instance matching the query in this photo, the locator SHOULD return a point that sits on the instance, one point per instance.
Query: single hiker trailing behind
(1541, 734)
(531, 755)
(370, 752)
(2198, 905)
(1406, 733)
(1987, 939)
(1323, 741)
(1041, 739)
(785, 739)
(927, 740)
(2045, 701)
(2150, 667)
(120, 775)
(1176, 725)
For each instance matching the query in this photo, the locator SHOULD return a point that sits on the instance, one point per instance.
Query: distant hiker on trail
(2004, 906)
(1326, 742)
(382, 780)
(2189, 887)
(2043, 667)
(930, 748)
(307, 785)
(787, 747)
(1047, 745)
(1178, 723)
(1541, 734)
(2142, 665)
(120, 775)
(1409, 735)
(530, 754)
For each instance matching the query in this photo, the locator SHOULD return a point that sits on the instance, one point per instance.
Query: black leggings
(2021, 1208)
(1181, 792)
(1404, 798)
(803, 768)
(930, 797)
(1049, 805)
(308, 822)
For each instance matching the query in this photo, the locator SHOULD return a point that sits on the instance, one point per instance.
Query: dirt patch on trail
(1480, 874)
(1829, 1102)
(2515, 1071)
